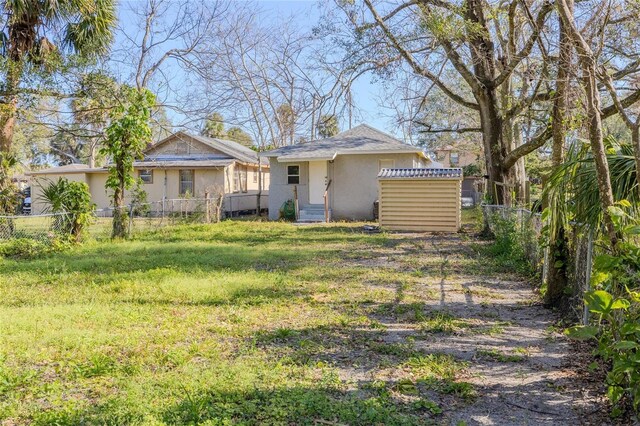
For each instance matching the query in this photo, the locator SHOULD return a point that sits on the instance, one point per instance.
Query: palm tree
(36, 34)
(573, 187)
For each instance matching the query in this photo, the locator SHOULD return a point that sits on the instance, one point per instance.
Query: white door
(317, 181)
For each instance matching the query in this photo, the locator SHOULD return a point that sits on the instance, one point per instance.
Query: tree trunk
(557, 280)
(492, 138)
(119, 214)
(594, 119)
(635, 140)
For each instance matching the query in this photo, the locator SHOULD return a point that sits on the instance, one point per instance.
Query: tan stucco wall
(354, 185)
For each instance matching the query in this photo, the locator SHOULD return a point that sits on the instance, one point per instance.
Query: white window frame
(290, 175)
(180, 182)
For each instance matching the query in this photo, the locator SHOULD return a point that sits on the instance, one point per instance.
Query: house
(459, 155)
(346, 166)
(178, 167)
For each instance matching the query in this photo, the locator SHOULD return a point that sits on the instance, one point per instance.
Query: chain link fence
(140, 217)
(529, 227)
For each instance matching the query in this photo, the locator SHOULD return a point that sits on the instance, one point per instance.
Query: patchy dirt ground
(523, 370)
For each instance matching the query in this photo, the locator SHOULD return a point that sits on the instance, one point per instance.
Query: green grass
(231, 323)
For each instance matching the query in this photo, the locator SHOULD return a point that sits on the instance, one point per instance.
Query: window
(146, 176)
(454, 159)
(236, 178)
(243, 179)
(255, 176)
(386, 164)
(186, 182)
(293, 175)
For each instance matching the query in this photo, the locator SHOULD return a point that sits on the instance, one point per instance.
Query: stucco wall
(354, 185)
(280, 191)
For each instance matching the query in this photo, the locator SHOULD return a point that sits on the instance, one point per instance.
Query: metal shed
(426, 200)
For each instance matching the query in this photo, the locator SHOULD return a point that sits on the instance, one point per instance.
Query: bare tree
(263, 77)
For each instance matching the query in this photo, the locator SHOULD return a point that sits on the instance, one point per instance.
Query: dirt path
(525, 372)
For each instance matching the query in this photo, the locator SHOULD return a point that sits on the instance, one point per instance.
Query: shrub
(614, 304)
(74, 200)
(27, 248)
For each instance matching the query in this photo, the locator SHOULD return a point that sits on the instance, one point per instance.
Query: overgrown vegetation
(231, 323)
(614, 303)
(72, 202)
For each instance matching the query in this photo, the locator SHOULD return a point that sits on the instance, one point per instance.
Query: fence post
(207, 207)
(130, 218)
(587, 279)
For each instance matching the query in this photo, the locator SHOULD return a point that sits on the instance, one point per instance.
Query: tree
(91, 107)
(126, 137)
(37, 33)
(489, 46)
(587, 61)
(236, 134)
(328, 126)
(214, 126)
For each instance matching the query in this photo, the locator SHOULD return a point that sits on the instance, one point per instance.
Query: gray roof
(68, 168)
(426, 173)
(362, 139)
(182, 163)
(230, 148)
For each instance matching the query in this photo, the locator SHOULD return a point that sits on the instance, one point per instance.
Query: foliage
(139, 200)
(126, 137)
(614, 303)
(473, 169)
(214, 126)
(9, 195)
(514, 240)
(572, 189)
(28, 248)
(328, 126)
(238, 135)
(73, 199)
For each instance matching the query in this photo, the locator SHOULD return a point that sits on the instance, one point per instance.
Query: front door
(317, 181)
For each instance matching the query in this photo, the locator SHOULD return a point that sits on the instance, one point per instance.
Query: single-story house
(178, 167)
(346, 166)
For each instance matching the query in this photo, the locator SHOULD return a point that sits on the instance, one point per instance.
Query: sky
(306, 13)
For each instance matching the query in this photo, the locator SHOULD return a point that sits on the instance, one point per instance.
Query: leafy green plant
(614, 304)
(126, 137)
(73, 200)
(288, 210)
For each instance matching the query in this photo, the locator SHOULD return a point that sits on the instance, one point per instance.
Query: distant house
(457, 155)
(179, 166)
(346, 166)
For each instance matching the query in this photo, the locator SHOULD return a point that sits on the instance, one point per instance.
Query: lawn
(233, 323)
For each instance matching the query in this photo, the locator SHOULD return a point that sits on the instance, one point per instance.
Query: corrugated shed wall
(424, 205)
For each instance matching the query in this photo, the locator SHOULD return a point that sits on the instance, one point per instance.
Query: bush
(27, 248)
(515, 241)
(73, 199)
(614, 304)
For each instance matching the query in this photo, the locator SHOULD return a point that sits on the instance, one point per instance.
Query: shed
(425, 200)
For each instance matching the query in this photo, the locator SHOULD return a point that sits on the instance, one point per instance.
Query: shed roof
(425, 173)
(362, 139)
